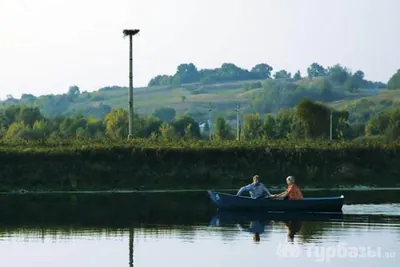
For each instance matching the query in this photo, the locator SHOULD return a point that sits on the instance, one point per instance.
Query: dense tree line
(272, 111)
(327, 85)
(70, 103)
(24, 122)
(229, 72)
(307, 120)
(188, 73)
(278, 94)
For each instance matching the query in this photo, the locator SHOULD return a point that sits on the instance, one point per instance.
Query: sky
(48, 45)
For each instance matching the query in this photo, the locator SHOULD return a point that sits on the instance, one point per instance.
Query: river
(184, 229)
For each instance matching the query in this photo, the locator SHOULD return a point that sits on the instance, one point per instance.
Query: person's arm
(283, 194)
(242, 189)
(266, 190)
(286, 192)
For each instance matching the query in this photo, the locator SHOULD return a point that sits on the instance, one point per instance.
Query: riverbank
(144, 165)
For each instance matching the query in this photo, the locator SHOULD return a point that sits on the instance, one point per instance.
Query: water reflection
(293, 228)
(254, 227)
(262, 222)
(131, 239)
(131, 227)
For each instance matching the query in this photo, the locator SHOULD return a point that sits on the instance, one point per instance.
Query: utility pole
(209, 121)
(330, 126)
(237, 122)
(130, 33)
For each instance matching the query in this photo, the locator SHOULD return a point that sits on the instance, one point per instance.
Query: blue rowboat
(225, 201)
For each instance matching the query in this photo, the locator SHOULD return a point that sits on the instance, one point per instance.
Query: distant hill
(191, 92)
(190, 98)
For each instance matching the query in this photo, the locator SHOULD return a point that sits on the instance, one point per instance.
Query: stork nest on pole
(130, 32)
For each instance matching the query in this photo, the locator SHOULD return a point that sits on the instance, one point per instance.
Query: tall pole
(130, 136)
(130, 33)
(330, 126)
(237, 123)
(209, 121)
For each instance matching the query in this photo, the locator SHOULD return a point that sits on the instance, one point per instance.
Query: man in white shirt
(256, 189)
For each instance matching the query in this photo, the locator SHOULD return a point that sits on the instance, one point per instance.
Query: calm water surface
(184, 229)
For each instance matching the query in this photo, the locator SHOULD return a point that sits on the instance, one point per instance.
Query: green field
(147, 99)
(383, 94)
(224, 97)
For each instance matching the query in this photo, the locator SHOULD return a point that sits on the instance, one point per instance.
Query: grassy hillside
(378, 97)
(147, 99)
(190, 99)
(363, 108)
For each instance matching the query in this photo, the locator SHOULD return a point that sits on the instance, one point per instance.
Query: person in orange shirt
(292, 192)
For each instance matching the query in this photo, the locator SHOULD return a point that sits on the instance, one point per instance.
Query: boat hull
(225, 201)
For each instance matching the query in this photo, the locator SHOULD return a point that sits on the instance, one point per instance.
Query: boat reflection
(255, 227)
(257, 222)
(293, 228)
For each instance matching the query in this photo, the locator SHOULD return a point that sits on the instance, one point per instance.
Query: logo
(287, 250)
(322, 253)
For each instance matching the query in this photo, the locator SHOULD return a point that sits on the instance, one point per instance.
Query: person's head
(256, 179)
(290, 180)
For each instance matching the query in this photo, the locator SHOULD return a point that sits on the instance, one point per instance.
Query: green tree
(269, 126)
(338, 74)
(165, 114)
(283, 123)
(252, 126)
(73, 90)
(117, 123)
(161, 80)
(181, 125)
(282, 74)
(18, 130)
(262, 71)
(28, 98)
(17, 113)
(355, 81)
(351, 85)
(96, 129)
(69, 127)
(42, 129)
(315, 118)
(223, 130)
(149, 125)
(167, 132)
(385, 124)
(325, 89)
(297, 76)
(394, 81)
(316, 70)
(187, 73)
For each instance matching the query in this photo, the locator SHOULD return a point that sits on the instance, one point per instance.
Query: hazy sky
(48, 45)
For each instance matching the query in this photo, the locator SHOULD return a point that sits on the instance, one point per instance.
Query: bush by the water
(149, 164)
